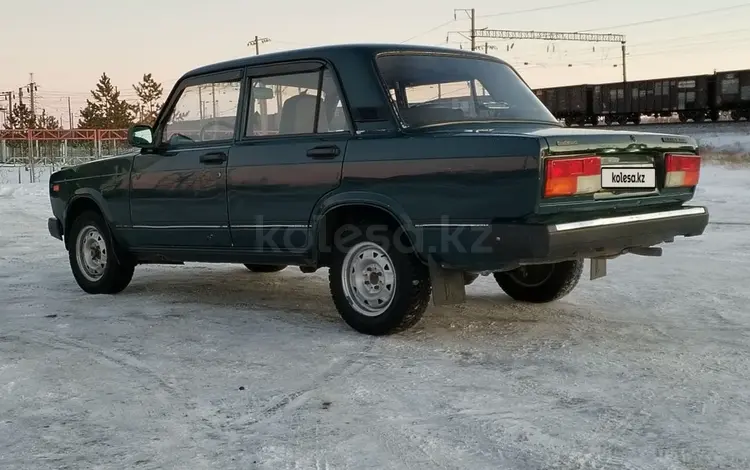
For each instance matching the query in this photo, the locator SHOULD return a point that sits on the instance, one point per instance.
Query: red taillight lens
(682, 170)
(571, 176)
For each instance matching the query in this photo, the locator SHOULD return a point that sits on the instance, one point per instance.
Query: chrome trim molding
(450, 225)
(270, 226)
(213, 226)
(178, 227)
(603, 222)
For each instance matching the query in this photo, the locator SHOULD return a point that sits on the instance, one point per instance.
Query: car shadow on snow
(487, 308)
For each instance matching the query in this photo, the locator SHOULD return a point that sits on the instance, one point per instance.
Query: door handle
(325, 151)
(216, 157)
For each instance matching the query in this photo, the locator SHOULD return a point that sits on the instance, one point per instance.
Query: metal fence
(29, 149)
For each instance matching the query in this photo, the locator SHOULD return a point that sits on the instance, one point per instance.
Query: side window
(203, 113)
(294, 103)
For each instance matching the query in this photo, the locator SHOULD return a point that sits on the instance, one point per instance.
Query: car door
(289, 155)
(178, 191)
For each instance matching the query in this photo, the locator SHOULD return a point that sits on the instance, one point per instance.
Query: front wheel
(541, 283)
(378, 286)
(91, 251)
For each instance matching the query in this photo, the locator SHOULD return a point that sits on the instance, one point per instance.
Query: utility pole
(257, 42)
(31, 87)
(8, 96)
(213, 100)
(200, 101)
(472, 16)
(70, 115)
(9, 110)
(263, 104)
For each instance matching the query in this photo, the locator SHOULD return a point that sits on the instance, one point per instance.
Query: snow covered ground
(211, 366)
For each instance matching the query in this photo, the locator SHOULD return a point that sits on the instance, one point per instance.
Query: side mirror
(141, 136)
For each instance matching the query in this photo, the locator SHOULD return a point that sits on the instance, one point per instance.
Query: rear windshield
(441, 89)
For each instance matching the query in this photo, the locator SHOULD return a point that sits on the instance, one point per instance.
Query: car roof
(329, 52)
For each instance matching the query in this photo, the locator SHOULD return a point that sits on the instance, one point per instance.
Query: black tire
(265, 268)
(547, 282)
(117, 270)
(410, 292)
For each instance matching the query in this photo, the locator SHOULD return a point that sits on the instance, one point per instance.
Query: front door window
(203, 113)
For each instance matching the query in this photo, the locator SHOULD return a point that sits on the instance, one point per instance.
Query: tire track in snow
(294, 400)
(102, 355)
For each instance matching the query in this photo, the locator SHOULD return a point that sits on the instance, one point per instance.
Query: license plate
(628, 177)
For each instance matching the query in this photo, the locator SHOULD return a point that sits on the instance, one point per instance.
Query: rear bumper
(498, 247)
(55, 228)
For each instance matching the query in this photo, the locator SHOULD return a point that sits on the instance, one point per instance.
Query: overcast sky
(67, 45)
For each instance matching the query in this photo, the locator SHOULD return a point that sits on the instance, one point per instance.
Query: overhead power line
(650, 46)
(669, 18)
(534, 10)
(507, 13)
(429, 31)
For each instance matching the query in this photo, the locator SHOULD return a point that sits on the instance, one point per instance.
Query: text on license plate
(624, 177)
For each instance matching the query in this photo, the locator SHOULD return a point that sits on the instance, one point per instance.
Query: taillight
(571, 176)
(682, 170)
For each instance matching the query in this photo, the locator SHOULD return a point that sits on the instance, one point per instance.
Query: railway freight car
(572, 103)
(688, 97)
(732, 93)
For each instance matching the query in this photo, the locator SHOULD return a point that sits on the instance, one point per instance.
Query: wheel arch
(87, 199)
(346, 207)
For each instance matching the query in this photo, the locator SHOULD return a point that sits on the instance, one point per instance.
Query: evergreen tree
(149, 93)
(45, 121)
(20, 117)
(106, 110)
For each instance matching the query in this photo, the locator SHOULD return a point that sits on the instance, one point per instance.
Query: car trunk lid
(585, 170)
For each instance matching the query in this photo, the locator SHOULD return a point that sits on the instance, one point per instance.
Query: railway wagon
(570, 103)
(689, 97)
(732, 93)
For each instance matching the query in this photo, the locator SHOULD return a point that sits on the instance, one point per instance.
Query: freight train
(696, 98)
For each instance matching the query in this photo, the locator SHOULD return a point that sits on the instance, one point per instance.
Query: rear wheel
(378, 287)
(541, 283)
(264, 268)
(91, 252)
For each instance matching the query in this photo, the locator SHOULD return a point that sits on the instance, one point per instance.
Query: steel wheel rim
(369, 279)
(91, 253)
(532, 275)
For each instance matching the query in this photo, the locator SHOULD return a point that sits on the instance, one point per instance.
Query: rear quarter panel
(448, 178)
